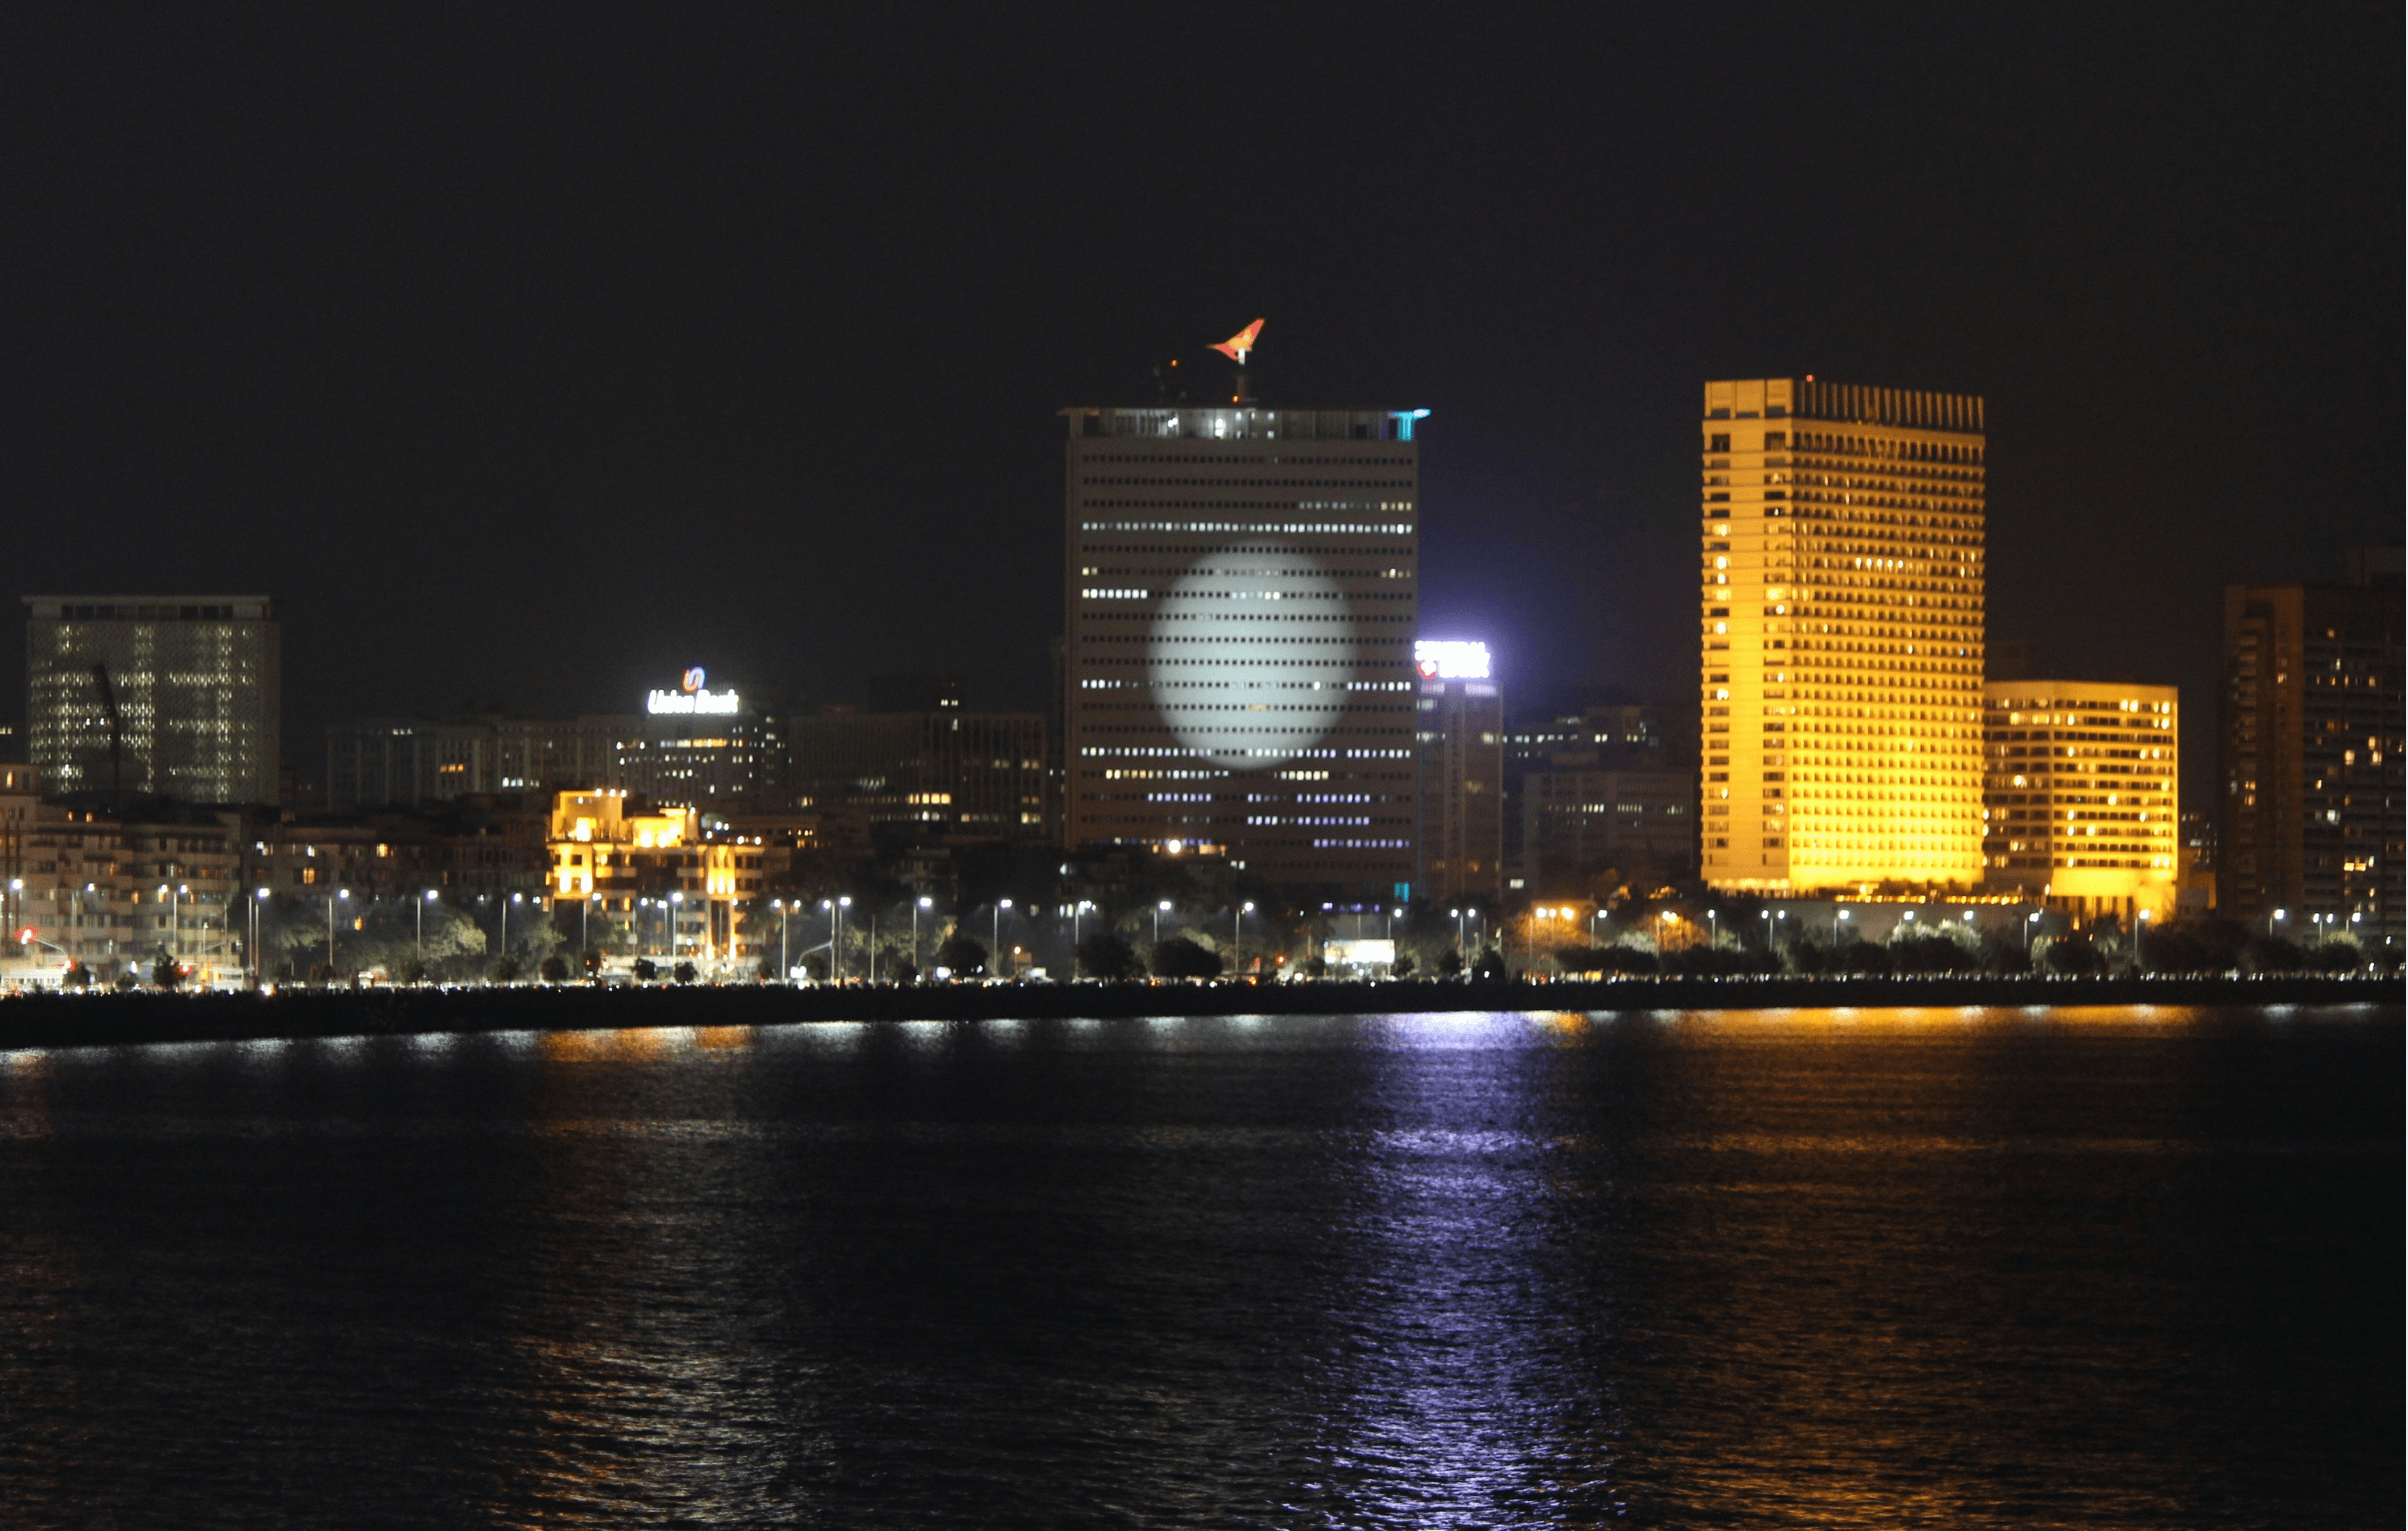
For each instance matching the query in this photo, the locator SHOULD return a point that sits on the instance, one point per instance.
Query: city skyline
(530, 391)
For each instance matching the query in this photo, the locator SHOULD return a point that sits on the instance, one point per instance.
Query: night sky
(529, 361)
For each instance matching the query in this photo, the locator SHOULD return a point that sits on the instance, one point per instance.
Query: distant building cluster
(1243, 682)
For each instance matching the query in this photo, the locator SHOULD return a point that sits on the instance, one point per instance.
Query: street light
(1160, 909)
(1237, 926)
(784, 969)
(923, 902)
(506, 924)
(330, 897)
(1000, 906)
(1714, 927)
(671, 907)
(175, 898)
(256, 971)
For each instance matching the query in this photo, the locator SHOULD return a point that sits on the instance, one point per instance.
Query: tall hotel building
(1240, 608)
(168, 695)
(1841, 637)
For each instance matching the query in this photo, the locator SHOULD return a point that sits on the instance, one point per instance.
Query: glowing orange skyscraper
(1841, 580)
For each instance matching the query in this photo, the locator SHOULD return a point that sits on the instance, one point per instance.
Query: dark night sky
(532, 359)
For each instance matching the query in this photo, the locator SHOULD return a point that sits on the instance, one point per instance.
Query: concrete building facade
(1240, 596)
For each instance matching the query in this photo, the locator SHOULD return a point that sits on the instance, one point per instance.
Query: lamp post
(783, 968)
(330, 897)
(252, 952)
(175, 898)
(1458, 915)
(1594, 915)
(1713, 928)
(2030, 921)
(672, 907)
(1160, 909)
(506, 924)
(1237, 926)
(836, 953)
(1000, 906)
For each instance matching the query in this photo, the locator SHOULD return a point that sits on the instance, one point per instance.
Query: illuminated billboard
(1437, 659)
(691, 698)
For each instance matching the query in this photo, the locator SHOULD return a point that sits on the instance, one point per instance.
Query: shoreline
(113, 1020)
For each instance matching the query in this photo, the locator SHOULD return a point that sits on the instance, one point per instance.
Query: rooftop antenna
(1236, 348)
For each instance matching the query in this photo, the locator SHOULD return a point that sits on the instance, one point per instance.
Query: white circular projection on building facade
(1252, 651)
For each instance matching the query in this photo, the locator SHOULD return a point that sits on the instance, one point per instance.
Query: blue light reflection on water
(1867, 1267)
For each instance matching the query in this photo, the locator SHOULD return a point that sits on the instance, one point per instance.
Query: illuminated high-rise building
(1238, 674)
(1461, 732)
(171, 696)
(2081, 798)
(1840, 594)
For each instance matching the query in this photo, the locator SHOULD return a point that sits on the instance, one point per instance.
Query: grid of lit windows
(2080, 795)
(1244, 576)
(1840, 588)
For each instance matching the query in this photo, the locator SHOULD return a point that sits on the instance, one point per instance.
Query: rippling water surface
(2129, 1268)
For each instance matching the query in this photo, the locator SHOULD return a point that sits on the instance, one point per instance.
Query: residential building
(1460, 740)
(2081, 798)
(1841, 596)
(155, 695)
(2309, 781)
(1240, 608)
(113, 890)
(661, 871)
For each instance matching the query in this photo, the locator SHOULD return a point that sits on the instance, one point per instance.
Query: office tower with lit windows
(2080, 798)
(1841, 605)
(2310, 787)
(1238, 674)
(1460, 734)
(167, 696)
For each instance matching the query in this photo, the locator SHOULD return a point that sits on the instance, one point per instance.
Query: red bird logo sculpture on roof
(1237, 345)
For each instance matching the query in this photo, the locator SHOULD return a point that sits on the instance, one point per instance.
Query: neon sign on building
(691, 696)
(1446, 660)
